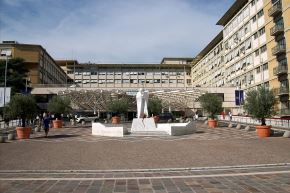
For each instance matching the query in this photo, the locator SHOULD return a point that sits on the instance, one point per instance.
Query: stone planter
(212, 123)
(11, 136)
(37, 129)
(263, 131)
(57, 123)
(23, 132)
(116, 120)
(2, 139)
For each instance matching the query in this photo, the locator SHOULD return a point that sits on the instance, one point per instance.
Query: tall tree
(16, 74)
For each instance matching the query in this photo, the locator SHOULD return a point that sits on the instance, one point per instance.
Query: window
(260, 13)
(253, 3)
(254, 19)
(263, 49)
(256, 35)
(262, 31)
(258, 70)
(265, 66)
(257, 53)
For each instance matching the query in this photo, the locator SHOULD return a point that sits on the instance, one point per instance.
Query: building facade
(42, 68)
(252, 50)
(170, 73)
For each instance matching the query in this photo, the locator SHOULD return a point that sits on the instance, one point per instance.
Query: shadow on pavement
(55, 136)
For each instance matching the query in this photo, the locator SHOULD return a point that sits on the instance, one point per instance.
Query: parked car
(164, 117)
(87, 118)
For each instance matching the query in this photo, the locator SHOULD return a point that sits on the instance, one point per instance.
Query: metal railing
(274, 122)
(275, 9)
(280, 48)
(284, 90)
(277, 29)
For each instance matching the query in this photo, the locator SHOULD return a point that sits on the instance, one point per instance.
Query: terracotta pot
(57, 123)
(156, 119)
(23, 132)
(263, 131)
(212, 123)
(116, 120)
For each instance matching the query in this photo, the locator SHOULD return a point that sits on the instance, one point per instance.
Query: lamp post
(6, 53)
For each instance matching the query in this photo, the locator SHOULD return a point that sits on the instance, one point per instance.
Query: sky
(113, 31)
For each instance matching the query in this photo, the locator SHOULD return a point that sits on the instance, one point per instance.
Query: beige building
(42, 69)
(170, 73)
(251, 50)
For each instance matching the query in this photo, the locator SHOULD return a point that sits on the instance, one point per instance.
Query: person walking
(46, 121)
(230, 115)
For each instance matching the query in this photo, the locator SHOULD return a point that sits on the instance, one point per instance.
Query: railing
(275, 9)
(282, 69)
(285, 112)
(278, 123)
(280, 48)
(284, 90)
(277, 29)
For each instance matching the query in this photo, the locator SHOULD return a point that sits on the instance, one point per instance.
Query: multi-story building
(278, 38)
(42, 69)
(251, 45)
(170, 73)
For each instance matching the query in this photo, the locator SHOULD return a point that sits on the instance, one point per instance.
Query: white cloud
(124, 31)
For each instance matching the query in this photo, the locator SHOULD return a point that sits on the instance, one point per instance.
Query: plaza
(211, 160)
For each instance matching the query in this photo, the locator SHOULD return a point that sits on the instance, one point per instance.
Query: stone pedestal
(146, 124)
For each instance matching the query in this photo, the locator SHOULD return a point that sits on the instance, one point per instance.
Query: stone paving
(259, 178)
(72, 160)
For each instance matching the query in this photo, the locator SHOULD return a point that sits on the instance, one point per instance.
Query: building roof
(187, 59)
(88, 65)
(232, 11)
(66, 62)
(211, 45)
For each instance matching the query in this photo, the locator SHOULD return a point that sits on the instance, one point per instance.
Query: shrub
(23, 107)
(260, 104)
(154, 106)
(211, 103)
(59, 105)
(118, 106)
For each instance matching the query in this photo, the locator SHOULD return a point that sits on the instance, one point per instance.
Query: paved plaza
(210, 160)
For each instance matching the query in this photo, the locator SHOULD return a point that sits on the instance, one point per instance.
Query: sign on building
(239, 97)
(7, 93)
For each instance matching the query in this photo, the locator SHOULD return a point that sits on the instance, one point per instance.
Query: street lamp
(6, 53)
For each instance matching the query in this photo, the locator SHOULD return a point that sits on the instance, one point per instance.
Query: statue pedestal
(146, 124)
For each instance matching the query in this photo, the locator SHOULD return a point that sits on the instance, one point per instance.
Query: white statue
(142, 100)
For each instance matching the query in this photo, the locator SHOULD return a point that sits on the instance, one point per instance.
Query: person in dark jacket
(46, 122)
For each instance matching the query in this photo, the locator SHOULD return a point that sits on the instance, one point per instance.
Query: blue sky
(113, 31)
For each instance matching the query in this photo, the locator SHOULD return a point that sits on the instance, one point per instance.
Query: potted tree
(212, 104)
(22, 107)
(260, 104)
(155, 108)
(117, 107)
(58, 105)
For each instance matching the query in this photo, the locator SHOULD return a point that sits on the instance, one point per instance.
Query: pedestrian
(196, 116)
(46, 121)
(230, 115)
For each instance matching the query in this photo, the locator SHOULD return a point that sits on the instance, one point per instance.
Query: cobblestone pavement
(259, 178)
(84, 134)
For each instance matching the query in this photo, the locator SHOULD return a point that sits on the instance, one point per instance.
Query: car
(87, 118)
(164, 117)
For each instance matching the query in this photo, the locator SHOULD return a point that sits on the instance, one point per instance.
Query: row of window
(132, 81)
(129, 73)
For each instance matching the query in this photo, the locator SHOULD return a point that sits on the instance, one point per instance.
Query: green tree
(59, 105)
(260, 103)
(154, 106)
(118, 106)
(16, 74)
(21, 106)
(211, 103)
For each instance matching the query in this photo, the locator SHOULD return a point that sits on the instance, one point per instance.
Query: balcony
(279, 49)
(275, 10)
(281, 69)
(276, 30)
(283, 91)
(285, 112)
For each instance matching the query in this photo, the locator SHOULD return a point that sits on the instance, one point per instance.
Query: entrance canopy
(175, 100)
